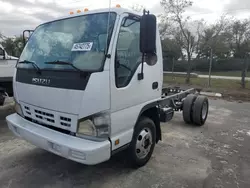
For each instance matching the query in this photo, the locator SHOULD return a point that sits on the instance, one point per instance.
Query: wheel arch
(151, 111)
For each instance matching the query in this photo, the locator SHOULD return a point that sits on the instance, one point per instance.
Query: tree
(173, 12)
(9, 46)
(2, 37)
(213, 38)
(13, 46)
(137, 7)
(171, 49)
(211, 42)
(239, 33)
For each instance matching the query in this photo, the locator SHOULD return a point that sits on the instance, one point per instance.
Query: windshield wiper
(32, 63)
(58, 62)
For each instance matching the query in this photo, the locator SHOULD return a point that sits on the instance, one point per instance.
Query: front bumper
(73, 148)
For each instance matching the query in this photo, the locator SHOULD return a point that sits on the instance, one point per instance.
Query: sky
(18, 15)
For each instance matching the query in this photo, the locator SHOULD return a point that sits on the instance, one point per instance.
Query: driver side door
(128, 94)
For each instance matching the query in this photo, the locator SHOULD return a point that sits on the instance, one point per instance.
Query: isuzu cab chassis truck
(90, 85)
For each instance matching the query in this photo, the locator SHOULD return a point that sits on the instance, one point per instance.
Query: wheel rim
(143, 143)
(204, 110)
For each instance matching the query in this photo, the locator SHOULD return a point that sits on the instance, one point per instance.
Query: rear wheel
(187, 108)
(200, 110)
(143, 142)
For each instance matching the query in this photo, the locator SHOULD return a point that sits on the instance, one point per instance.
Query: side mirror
(148, 33)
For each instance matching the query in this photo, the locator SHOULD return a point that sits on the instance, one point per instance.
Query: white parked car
(7, 70)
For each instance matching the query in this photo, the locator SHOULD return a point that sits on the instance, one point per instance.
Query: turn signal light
(118, 6)
(71, 12)
(85, 10)
(117, 142)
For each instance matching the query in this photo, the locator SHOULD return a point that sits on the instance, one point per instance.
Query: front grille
(45, 117)
(65, 121)
(51, 127)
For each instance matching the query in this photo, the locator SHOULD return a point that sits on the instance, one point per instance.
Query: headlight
(18, 109)
(96, 126)
(86, 128)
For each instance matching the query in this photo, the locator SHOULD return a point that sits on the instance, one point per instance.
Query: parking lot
(216, 155)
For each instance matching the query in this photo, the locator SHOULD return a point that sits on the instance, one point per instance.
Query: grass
(203, 82)
(228, 88)
(227, 73)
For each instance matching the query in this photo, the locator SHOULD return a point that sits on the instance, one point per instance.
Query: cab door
(128, 94)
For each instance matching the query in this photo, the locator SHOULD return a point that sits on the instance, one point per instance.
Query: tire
(137, 146)
(200, 110)
(187, 108)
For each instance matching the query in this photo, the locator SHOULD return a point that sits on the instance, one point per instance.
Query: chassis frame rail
(173, 97)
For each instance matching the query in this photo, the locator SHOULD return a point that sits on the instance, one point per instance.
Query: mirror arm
(145, 12)
(140, 75)
(108, 56)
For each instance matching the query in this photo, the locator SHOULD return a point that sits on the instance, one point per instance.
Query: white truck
(89, 85)
(7, 70)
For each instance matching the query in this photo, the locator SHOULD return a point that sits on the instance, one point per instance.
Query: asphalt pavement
(216, 155)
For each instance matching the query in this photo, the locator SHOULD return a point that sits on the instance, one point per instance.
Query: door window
(128, 55)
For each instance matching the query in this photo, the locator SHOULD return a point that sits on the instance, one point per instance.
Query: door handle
(155, 85)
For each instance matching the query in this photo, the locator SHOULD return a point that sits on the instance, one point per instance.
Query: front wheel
(143, 142)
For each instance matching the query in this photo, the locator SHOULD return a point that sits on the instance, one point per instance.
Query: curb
(211, 94)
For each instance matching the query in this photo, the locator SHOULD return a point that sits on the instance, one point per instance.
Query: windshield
(78, 40)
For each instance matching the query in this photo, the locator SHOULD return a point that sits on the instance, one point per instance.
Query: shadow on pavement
(43, 168)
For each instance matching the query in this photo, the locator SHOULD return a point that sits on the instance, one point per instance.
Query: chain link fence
(224, 73)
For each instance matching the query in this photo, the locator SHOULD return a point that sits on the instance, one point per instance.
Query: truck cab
(84, 90)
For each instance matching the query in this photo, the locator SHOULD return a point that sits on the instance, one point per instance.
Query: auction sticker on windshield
(85, 46)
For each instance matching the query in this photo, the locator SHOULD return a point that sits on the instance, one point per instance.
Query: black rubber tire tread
(187, 108)
(143, 122)
(197, 110)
